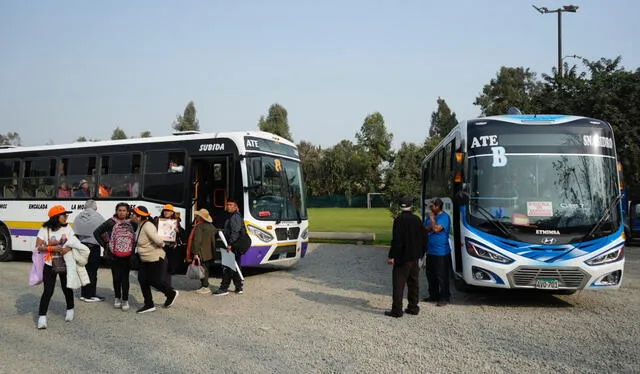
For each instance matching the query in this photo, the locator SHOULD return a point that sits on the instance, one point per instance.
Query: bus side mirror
(256, 169)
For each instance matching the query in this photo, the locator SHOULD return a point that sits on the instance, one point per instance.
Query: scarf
(190, 242)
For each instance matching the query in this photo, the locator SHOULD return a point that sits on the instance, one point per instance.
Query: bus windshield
(275, 189)
(564, 197)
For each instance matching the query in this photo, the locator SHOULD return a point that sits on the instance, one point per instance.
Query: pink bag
(35, 276)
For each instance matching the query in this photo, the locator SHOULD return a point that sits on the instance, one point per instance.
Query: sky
(81, 68)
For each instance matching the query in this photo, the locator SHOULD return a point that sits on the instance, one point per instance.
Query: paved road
(324, 315)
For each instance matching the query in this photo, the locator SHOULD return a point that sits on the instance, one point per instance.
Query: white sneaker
(117, 304)
(42, 322)
(125, 305)
(204, 291)
(69, 316)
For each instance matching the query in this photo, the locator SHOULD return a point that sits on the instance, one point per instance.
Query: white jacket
(75, 260)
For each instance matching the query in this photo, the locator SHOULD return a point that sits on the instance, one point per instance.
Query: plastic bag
(195, 270)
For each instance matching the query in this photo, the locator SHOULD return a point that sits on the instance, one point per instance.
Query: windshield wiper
(605, 214)
(489, 217)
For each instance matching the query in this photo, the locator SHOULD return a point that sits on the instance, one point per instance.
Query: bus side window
(9, 170)
(162, 182)
(119, 175)
(39, 178)
(74, 170)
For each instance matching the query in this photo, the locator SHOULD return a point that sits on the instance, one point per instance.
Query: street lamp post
(565, 8)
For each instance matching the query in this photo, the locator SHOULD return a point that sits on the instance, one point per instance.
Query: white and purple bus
(188, 170)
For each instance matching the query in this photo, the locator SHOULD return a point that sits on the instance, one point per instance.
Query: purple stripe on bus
(254, 255)
(24, 232)
(304, 249)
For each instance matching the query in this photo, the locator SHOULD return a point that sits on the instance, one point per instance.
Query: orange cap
(58, 209)
(142, 211)
(168, 207)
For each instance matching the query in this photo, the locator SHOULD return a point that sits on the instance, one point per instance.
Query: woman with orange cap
(52, 238)
(168, 212)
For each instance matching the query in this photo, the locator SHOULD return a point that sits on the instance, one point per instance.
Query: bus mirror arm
(462, 196)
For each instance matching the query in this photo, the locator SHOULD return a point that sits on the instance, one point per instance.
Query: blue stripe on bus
(543, 253)
(539, 117)
(24, 232)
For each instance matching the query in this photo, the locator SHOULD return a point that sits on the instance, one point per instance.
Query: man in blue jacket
(407, 246)
(438, 226)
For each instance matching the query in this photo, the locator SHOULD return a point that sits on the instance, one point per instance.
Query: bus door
(210, 182)
(634, 220)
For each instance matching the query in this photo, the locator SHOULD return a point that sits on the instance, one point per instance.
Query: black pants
(402, 274)
(438, 272)
(153, 274)
(228, 274)
(49, 282)
(88, 291)
(120, 268)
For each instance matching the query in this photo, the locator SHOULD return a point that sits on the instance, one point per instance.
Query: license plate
(547, 284)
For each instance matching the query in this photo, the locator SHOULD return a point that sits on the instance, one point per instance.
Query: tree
(81, 139)
(375, 143)
(404, 175)
(118, 133)
(11, 138)
(145, 134)
(443, 120)
(512, 87)
(276, 122)
(344, 167)
(187, 121)
(311, 159)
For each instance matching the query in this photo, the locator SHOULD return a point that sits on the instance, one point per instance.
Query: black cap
(405, 202)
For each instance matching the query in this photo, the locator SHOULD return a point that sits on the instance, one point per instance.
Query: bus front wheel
(5, 244)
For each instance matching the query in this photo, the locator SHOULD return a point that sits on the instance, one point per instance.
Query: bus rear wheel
(5, 245)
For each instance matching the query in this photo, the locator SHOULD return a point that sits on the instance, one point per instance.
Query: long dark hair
(54, 223)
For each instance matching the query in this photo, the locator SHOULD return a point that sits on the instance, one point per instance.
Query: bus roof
(235, 135)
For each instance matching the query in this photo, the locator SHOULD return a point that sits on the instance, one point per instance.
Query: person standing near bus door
(168, 212)
(84, 225)
(438, 226)
(120, 266)
(202, 244)
(407, 246)
(51, 239)
(235, 233)
(153, 265)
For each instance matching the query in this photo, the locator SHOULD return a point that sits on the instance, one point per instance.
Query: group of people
(412, 240)
(131, 242)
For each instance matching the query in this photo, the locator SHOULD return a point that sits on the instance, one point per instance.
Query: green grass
(376, 220)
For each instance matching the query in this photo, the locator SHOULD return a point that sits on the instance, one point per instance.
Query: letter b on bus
(499, 159)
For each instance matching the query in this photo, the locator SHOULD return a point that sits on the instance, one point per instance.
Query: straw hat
(204, 214)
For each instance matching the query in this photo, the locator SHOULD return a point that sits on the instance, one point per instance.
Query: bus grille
(290, 233)
(524, 276)
(283, 252)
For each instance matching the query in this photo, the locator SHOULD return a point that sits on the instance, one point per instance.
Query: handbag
(195, 270)
(134, 261)
(58, 265)
(37, 267)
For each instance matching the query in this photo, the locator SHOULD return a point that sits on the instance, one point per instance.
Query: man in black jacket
(408, 244)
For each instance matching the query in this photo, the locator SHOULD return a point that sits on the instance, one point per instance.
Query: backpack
(122, 240)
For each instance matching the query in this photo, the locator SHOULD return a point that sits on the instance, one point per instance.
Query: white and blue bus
(534, 202)
(188, 170)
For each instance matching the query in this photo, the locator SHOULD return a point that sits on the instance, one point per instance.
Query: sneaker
(390, 313)
(172, 299)
(221, 292)
(97, 298)
(69, 316)
(125, 305)
(413, 312)
(88, 299)
(117, 304)
(239, 291)
(146, 309)
(204, 291)
(42, 322)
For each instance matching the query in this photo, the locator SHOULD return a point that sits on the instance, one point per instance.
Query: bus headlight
(305, 234)
(262, 235)
(478, 251)
(612, 255)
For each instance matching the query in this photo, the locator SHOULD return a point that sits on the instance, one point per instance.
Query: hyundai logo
(548, 240)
